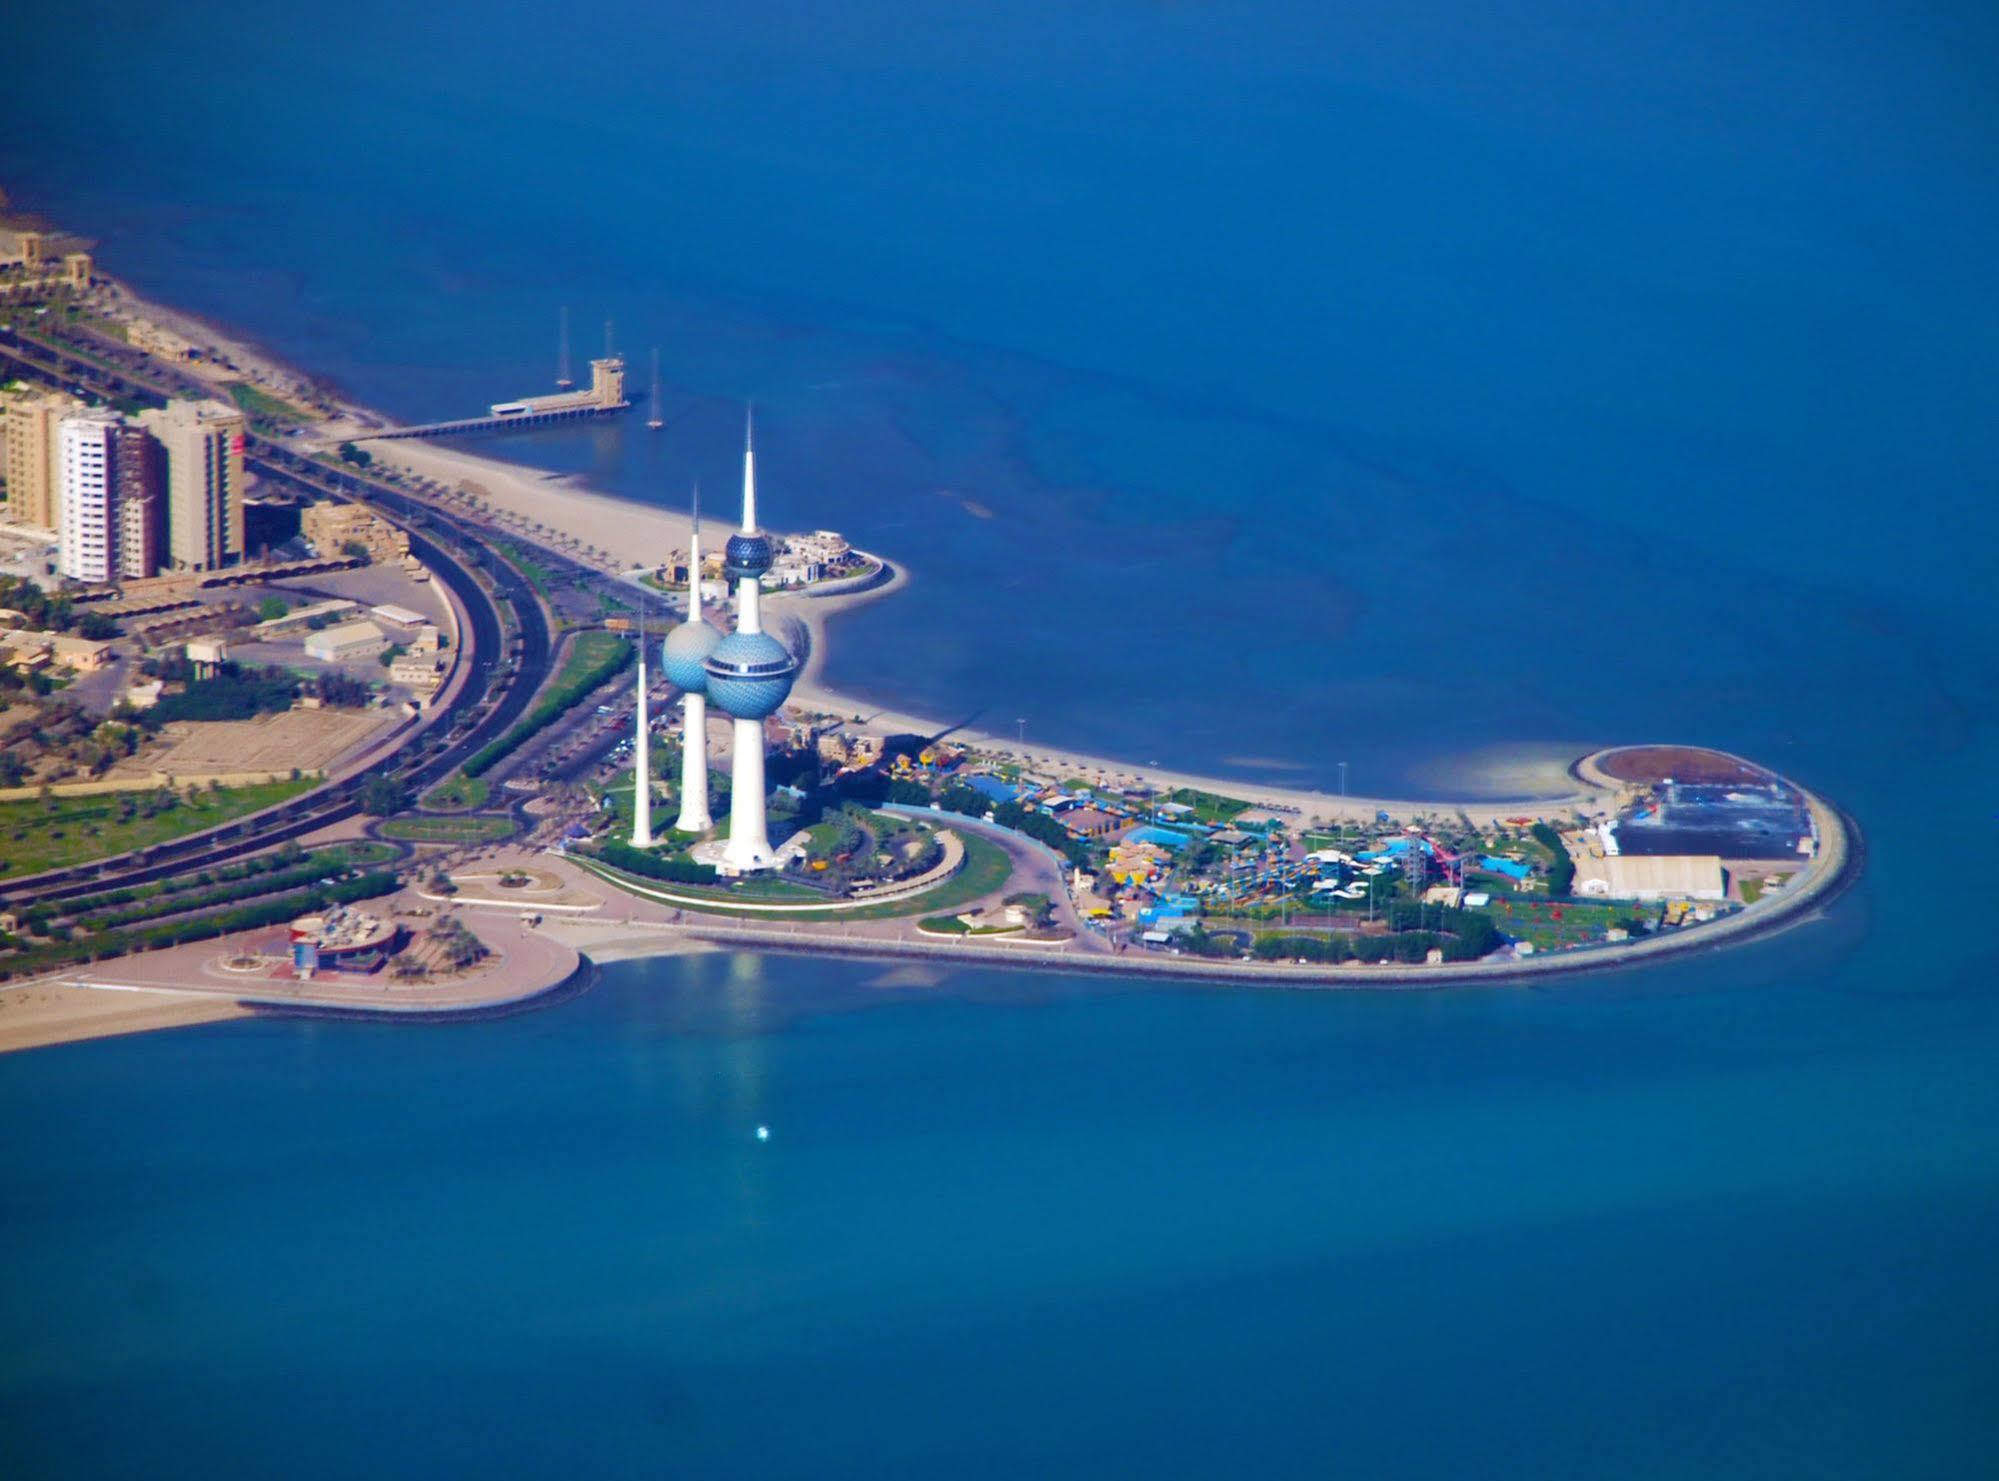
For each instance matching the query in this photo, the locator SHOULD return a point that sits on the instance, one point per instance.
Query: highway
(431, 756)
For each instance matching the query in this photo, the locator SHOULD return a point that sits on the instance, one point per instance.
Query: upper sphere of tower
(684, 653)
(746, 556)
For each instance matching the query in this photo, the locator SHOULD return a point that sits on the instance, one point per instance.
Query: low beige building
(331, 527)
(348, 640)
(1660, 877)
(417, 671)
(25, 648)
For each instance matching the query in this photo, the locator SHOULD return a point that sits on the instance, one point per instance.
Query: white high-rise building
(750, 674)
(87, 500)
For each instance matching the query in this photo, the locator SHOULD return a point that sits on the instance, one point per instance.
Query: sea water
(1248, 389)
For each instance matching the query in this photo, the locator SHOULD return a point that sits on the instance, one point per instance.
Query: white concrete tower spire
(749, 674)
(694, 816)
(750, 470)
(749, 593)
(641, 736)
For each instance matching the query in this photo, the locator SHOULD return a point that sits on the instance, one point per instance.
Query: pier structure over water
(603, 396)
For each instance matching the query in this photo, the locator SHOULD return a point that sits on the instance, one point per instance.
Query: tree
(272, 608)
(382, 796)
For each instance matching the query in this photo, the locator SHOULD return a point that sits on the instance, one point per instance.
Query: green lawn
(1534, 919)
(1752, 889)
(1210, 807)
(476, 828)
(593, 658)
(459, 793)
(985, 870)
(37, 835)
(538, 576)
(950, 925)
(259, 403)
(98, 324)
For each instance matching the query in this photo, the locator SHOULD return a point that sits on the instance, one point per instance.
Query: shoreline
(74, 1010)
(535, 506)
(609, 522)
(1829, 876)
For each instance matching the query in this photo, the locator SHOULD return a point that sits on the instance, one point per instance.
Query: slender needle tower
(750, 673)
(641, 735)
(684, 655)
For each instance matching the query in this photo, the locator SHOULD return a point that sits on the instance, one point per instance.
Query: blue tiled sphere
(746, 555)
(684, 652)
(750, 674)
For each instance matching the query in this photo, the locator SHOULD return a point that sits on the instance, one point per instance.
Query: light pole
(1343, 779)
(1021, 723)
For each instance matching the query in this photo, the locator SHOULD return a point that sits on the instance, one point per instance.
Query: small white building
(397, 619)
(345, 642)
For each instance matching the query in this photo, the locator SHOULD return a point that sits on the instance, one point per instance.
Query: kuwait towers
(749, 673)
(684, 656)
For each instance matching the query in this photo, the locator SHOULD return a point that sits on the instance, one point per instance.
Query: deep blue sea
(1252, 387)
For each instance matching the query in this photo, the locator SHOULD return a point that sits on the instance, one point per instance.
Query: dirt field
(1681, 763)
(308, 739)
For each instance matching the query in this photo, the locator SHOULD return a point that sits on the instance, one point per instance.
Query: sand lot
(311, 740)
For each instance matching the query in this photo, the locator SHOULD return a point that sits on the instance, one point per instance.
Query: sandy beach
(529, 497)
(39, 1013)
(607, 531)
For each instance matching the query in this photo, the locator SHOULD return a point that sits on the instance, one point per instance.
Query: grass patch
(1755, 889)
(950, 925)
(477, 828)
(36, 835)
(593, 658)
(261, 404)
(1210, 807)
(986, 869)
(1550, 924)
(538, 576)
(459, 793)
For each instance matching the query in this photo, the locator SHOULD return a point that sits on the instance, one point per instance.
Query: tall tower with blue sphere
(684, 657)
(749, 675)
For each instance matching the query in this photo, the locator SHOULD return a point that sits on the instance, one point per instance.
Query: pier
(604, 396)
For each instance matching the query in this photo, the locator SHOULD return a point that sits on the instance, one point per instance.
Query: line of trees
(1561, 873)
(102, 945)
(579, 681)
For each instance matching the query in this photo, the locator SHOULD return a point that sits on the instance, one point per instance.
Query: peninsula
(404, 739)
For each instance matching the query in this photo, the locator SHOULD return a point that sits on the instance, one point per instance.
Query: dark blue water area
(1694, 1222)
(1260, 387)
(1250, 387)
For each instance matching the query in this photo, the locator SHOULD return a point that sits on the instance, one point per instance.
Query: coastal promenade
(1804, 899)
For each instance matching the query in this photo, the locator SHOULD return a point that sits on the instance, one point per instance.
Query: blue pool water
(1258, 388)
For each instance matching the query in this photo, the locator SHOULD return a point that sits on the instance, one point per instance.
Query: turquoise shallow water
(1719, 1220)
(1554, 379)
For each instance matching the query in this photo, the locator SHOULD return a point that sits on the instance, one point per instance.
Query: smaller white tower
(641, 735)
